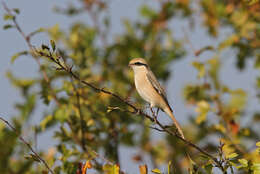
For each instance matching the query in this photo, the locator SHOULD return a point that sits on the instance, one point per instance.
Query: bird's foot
(153, 114)
(158, 109)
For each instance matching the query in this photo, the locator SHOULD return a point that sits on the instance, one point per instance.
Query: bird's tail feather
(169, 112)
(191, 162)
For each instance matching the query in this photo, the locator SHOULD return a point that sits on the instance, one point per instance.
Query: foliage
(89, 123)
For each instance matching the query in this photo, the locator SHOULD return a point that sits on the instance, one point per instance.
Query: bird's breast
(145, 89)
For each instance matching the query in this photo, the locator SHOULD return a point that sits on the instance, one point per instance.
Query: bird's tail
(169, 112)
(191, 162)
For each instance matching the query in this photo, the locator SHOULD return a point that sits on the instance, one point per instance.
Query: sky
(38, 13)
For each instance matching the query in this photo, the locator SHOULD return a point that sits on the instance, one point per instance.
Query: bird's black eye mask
(140, 64)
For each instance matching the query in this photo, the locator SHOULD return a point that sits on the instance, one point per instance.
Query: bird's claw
(154, 115)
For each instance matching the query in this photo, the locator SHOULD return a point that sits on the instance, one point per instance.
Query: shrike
(150, 89)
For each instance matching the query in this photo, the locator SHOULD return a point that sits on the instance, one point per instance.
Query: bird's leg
(154, 116)
(158, 109)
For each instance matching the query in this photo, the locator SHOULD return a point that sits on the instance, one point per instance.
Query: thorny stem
(28, 145)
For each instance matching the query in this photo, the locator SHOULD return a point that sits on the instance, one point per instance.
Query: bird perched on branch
(150, 89)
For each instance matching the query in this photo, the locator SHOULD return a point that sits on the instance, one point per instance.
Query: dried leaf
(143, 169)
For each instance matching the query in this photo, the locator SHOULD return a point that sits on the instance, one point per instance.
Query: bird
(150, 89)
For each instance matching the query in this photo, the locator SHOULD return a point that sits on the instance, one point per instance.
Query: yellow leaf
(47, 119)
(256, 168)
(200, 67)
(143, 169)
(228, 151)
(85, 167)
(232, 155)
(156, 171)
(111, 169)
(238, 99)
(220, 127)
(258, 144)
(247, 29)
(244, 162)
(203, 108)
(90, 122)
(239, 17)
(228, 42)
(252, 2)
(169, 167)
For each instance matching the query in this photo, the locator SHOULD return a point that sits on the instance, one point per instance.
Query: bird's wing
(156, 85)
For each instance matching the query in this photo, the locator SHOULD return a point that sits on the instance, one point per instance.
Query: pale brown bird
(150, 89)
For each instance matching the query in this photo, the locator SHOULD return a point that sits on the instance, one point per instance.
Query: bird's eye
(138, 63)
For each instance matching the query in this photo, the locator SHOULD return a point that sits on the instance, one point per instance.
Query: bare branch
(28, 145)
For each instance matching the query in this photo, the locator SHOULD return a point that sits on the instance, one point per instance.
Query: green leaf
(214, 67)
(208, 168)
(257, 62)
(47, 122)
(15, 56)
(32, 157)
(27, 108)
(53, 45)
(156, 171)
(200, 67)
(8, 17)
(16, 10)
(258, 82)
(147, 12)
(110, 109)
(62, 114)
(256, 168)
(7, 26)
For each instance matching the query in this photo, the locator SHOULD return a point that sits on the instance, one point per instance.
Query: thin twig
(155, 128)
(27, 38)
(28, 145)
(80, 115)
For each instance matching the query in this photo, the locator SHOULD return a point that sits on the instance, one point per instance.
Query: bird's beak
(129, 65)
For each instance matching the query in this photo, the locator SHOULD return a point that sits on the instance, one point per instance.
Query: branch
(136, 111)
(83, 143)
(28, 145)
(27, 38)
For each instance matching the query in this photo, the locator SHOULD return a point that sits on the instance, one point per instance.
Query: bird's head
(138, 64)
